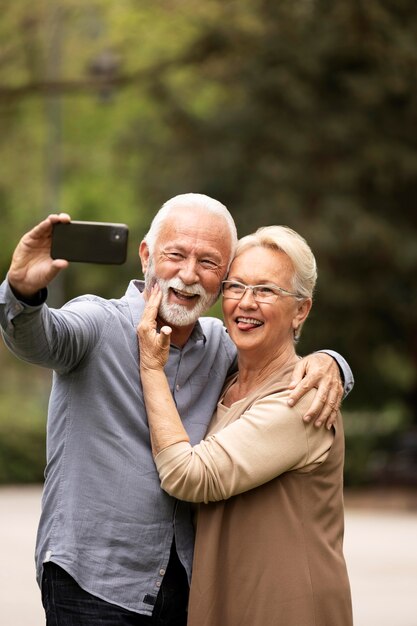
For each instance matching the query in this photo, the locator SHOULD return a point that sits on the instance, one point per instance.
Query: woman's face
(263, 326)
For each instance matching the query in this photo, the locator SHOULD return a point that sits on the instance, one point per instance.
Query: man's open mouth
(184, 295)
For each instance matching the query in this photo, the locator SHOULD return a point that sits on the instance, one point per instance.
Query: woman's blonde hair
(295, 247)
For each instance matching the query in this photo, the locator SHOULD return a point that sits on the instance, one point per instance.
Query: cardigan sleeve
(268, 439)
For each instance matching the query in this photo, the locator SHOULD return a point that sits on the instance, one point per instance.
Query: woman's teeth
(249, 320)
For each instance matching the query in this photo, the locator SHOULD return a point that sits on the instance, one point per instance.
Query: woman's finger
(164, 337)
(152, 305)
(155, 296)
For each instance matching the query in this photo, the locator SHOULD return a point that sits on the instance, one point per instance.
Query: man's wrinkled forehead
(187, 226)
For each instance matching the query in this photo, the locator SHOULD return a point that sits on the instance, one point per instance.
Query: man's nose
(188, 272)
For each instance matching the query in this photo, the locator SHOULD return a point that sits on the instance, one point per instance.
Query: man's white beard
(178, 314)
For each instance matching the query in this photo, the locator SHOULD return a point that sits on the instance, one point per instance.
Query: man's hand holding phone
(32, 267)
(47, 249)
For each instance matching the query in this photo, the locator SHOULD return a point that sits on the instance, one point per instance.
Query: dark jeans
(66, 604)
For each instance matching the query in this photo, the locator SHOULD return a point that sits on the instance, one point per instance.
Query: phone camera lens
(116, 235)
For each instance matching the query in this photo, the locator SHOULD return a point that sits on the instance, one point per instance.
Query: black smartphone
(90, 242)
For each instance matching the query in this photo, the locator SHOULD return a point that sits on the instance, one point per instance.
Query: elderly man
(112, 547)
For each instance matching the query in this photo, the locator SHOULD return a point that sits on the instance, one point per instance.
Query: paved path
(380, 548)
(20, 603)
(381, 554)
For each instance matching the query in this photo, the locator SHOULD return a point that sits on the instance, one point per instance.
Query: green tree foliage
(305, 114)
(300, 113)
(70, 90)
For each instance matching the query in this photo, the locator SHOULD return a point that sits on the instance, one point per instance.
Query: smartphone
(90, 242)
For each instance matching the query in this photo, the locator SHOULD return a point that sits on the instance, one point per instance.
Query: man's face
(189, 262)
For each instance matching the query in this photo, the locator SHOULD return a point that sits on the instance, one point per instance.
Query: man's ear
(144, 255)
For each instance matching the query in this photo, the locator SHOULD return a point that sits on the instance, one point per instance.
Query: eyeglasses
(234, 290)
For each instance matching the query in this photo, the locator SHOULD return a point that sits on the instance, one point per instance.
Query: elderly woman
(270, 527)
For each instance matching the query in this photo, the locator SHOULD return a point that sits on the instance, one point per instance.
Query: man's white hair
(191, 201)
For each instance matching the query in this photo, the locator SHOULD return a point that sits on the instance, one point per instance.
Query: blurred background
(299, 113)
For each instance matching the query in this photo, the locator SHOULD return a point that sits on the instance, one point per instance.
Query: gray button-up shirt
(105, 519)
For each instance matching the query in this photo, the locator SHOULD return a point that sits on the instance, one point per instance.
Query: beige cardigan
(271, 556)
(269, 438)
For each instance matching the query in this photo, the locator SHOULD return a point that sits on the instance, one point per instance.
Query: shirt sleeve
(268, 439)
(345, 371)
(57, 339)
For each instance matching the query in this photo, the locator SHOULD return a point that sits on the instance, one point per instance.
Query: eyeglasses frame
(272, 286)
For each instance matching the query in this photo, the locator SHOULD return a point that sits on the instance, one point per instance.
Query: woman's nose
(248, 300)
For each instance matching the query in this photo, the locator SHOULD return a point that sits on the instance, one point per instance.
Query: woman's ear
(303, 309)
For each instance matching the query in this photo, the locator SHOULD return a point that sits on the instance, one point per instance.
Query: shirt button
(177, 387)
(158, 584)
(162, 572)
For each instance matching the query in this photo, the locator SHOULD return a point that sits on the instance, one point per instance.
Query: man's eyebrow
(211, 254)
